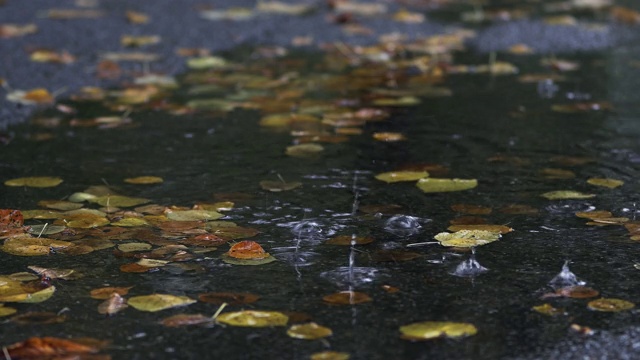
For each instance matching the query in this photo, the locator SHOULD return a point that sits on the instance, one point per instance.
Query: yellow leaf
(157, 302)
(118, 201)
(130, 222)
(133, 247)
(253, 318)
(610, 305)
(309, 331)
(395, 176)
(39, 181)
(31, 246)
(330, 355)
(6, 311)
(304, 150)
(434, 329)
(389, 136)
(547, 309)
(608, 183)
(431, 185)
(502, 229)
(39, 296)
(566, 194)
(144, 180)
(467, 238)
(193, 215)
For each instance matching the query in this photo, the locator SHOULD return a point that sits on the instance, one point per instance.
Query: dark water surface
(494, 129)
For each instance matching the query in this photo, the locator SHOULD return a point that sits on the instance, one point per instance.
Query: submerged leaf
(608, 183)
(193, 215)
(144, 180)
(253, 318)
(186, 320)
(432, 185)
(347, 298)
(547, 309)
(220, 298)
(434, 329)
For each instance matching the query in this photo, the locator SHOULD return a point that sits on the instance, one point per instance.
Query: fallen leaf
(31, 97)
(247, 250)
(136, 268)
(309, 331)
(396, 176)
(253, 318)
(549, 310)
(59, 205)
(330, 355)
(105, 292)
(608, 183)
(39, 318)
(118, 201)
(278, 7)
(133, 247)
(135, 17)
(30, 246)
(38, 182)
(347, 240)
(434, 329)
(467, 238)
(502, 229)
(388, 136)
(595, 214)
(145, 180)
(471, 209)
(566, 194)
(6, 311)
(610, 305)
(577, 292)
(347, 298)
(138, 41)
(192, 215)
(433, 185)
(186, 320)
(11, 217)
(230, 298)
(157, 302)
(51, 347)
(557, 174)
(15, 30)
(304, 150)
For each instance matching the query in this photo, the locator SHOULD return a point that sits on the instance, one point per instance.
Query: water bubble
(569, 207)
(565, 278)
(469, 268)
(403, 225)
(297, 258)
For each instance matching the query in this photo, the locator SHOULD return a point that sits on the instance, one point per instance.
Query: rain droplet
(403, 225)
(469, 268)
(565, 278)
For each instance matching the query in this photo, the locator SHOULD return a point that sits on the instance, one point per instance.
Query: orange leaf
(39, 95)
(38, 348)
(247, 250)
(9, 217)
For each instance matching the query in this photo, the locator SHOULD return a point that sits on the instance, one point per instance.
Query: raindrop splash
(470, 267)
(403, 225)
(565, 278)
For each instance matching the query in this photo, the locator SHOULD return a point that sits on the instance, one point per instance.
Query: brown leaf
(46, 347)
(105, 292)
(186, 320)
(247, 250)
(347, 298)
(34, 317)
(471, 209)
(10, 217)
(227, 297)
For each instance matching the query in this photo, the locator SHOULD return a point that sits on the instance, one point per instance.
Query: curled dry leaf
(247, 250)
(253, 318)
(112, 305)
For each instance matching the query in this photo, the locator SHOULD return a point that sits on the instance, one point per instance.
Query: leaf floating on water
(519, 209)
(347, 298)
(247, 250)
(130, 222)
(471, 209)
(577, 292)
(180, 320)
(53, 348)
(549, 310)
(40, 318)
(596, 214)
(192, 215)
(56, 273)
(346, 240)
(396, 176)
(37, 182)
(158, 302)
(144, 180)
(434, 185)
(610, 305)
(30, 246)
(31, 97)
(11, 217)
(467, 238)
(557, 174)
(60, 205)
(608, 183)
(397, 102)
(388, 136)
(105, 292)
(566, 195)
(309, 331)
(6, 311)
(582, 107)
(278, 186)
(230, 298)
(135, 268)
(427, 330)
(253, 318)
(278, 7)
(133, 247)
(114, 304)
(501, 229)
(304, 150)
(118, 201)
(330, 355)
